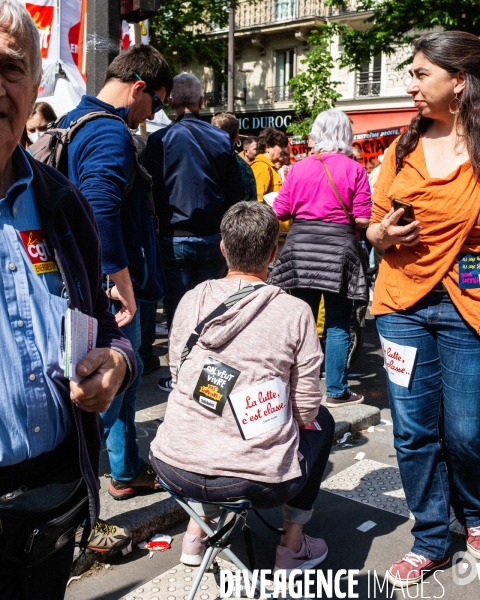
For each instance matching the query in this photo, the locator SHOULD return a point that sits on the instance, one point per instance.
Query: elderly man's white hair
(16, 21)
(332, 132)
(186, 91)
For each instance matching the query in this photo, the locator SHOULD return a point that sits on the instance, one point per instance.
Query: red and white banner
(44, 13)
(61, 41)
(72, 20)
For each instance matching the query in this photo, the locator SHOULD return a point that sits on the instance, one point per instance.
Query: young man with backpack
(102, 164)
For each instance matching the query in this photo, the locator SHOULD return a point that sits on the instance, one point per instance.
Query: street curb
(156, 513)
(354, 418)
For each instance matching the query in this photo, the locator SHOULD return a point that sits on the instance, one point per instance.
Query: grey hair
(332, 132)
(249, 234)
(15, 20)
(186, 91)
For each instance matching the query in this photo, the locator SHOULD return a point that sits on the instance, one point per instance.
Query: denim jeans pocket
(165, 474)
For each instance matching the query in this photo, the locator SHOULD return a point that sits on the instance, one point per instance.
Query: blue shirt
(34, 396)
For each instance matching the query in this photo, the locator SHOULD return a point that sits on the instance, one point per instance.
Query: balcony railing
(268, 12)
(279, 94)
(216, 99)
(368, 84)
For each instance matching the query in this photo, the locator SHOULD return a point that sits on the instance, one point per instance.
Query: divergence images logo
(465, 568)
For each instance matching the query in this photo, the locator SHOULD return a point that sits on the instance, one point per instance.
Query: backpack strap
(335, 189)
(220, 310)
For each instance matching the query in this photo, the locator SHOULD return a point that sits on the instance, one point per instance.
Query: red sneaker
(411, 569)
(473, 541)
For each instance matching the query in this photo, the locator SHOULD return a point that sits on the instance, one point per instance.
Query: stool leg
(200, 573)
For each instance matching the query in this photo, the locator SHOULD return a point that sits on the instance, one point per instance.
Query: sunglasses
(157, 104)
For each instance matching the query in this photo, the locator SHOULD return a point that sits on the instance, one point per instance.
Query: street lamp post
(231, 57)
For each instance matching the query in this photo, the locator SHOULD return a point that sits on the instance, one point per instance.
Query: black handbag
(34, 524)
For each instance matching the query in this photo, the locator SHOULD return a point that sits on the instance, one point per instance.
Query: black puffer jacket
(323, 256)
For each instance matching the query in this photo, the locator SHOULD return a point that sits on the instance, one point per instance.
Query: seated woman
(269, 443)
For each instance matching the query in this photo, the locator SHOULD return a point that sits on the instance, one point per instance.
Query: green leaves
(178, 32)
(396, 22)
(312, 90)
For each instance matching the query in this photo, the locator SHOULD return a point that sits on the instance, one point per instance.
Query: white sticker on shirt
(398, 361)
(260, 408)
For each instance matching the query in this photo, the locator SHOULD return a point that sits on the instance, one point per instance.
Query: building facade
(271, 39)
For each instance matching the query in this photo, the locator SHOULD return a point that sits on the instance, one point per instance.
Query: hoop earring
(450, 109)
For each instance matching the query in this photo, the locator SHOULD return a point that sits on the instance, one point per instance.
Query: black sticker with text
(215, 383)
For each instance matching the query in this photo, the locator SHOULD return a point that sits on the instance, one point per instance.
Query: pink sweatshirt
(307, 193)
(266, 335)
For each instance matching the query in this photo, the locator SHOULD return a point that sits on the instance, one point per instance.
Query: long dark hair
(453, 51)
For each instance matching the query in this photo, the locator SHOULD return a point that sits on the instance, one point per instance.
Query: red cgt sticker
(38, 251)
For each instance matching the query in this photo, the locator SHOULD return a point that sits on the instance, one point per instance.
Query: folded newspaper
(79, 337)
(270, 197)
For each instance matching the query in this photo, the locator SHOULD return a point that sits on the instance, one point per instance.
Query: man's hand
(104, 371)
(388, 233)
(122, 291)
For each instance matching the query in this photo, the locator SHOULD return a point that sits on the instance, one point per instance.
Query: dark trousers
(148, 321)
(298, 493)
(48, 580)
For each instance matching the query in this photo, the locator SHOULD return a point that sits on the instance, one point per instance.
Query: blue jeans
(296, 495)
(437, 419)
(338, 316)
(119, 420)
(186, 264)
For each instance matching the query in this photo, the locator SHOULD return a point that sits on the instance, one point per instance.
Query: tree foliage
(391, 23)
(179, 32)
(312, 90)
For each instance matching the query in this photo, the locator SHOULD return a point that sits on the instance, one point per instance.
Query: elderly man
(195, 179)
(50, 430)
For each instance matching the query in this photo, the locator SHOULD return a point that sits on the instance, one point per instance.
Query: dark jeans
(186, 264)
(148, 321)
(338, 316)
(298, 493)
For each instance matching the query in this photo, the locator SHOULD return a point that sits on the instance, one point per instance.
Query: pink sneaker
(411, 569)
(193, 549)
(312, 552)
(473, 541)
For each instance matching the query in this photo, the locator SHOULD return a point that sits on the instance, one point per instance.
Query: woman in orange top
(427, 298)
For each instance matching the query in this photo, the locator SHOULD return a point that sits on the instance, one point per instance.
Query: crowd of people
(110, 224)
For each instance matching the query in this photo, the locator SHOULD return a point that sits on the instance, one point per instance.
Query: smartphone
(409, 214)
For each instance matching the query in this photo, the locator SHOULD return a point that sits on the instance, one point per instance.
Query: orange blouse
(448, 211)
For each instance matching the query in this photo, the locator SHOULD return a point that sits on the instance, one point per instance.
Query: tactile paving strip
(373, 483)
(176, 583)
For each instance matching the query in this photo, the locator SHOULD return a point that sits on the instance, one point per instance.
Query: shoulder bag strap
(204, 149)
(334, 188)
(220, 310)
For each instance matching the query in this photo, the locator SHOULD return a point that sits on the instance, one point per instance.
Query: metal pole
(103, 40)
(231, 58)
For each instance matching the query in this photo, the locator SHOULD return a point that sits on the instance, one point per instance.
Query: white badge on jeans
(260, 408)
(398, 361)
